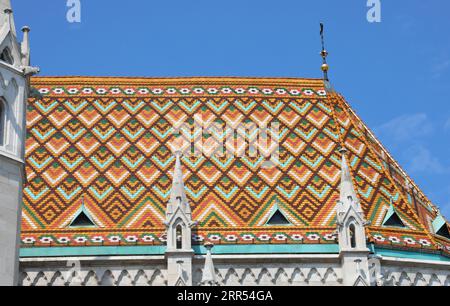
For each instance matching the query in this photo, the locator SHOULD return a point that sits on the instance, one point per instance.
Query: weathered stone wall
(232, 271)
(94, 271)
(13, 98)
(414, 273)
(148, 271)
(251, 275)
(10, 188)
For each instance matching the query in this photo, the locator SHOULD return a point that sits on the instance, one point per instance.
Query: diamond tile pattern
(109, 141)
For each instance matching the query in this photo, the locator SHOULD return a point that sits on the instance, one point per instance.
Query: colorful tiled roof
(106, 143)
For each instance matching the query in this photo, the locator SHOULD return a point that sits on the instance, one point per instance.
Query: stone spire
(14, 53)
(348, 203)
(178, 194)
(179, 252)
(347, 191)
(209, 273)
(178, 207)
(351, 231)
(7, 18)
(5, 10)
(5, 4)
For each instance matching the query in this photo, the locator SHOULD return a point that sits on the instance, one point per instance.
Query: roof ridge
(40, 77)
(172, 81)
(396, 163)
(384, 170)
(175, 77)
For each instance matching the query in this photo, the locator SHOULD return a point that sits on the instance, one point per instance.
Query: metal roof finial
(324, 54)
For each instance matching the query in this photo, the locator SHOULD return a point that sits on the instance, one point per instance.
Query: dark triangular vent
(393, 220)
(443, 231)
(440, 227)
(278, 219)
(82, 220)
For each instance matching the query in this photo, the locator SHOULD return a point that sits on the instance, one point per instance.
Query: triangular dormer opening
(277, 217)
(393, 219)
(82, 219)
(443, 231)
(440, 227)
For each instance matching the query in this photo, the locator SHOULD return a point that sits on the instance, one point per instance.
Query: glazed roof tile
(111, 141)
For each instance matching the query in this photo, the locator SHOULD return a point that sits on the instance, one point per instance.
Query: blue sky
(395, 74)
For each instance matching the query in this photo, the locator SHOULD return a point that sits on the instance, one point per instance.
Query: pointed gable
(441, 227)
(82, 219)
(392, 218)
(9, 46)
(277, 217)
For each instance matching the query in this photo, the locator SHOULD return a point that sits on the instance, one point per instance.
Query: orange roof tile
(111, 139)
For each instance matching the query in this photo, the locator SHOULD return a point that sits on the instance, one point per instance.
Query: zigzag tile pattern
(109, 141)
